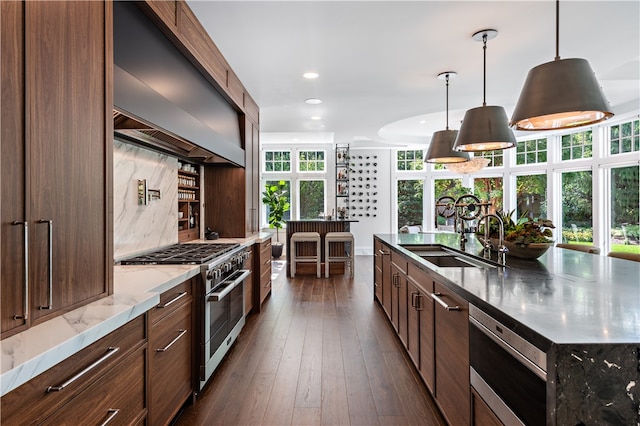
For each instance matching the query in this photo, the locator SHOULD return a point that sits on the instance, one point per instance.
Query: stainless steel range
(220, 295)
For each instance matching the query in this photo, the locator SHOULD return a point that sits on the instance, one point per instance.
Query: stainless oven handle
(510, 349)
(216, 297)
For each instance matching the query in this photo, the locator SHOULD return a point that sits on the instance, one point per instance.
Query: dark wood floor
(320, 353)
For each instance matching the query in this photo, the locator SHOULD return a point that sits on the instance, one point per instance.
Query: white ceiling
(378, 60)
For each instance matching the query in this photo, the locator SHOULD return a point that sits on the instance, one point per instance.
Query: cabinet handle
(111, 351)
(166, 348)
(383, 252)
(175, 299)
(268, 284)
(113, 412)
(49, 223)
(25, 308)
(436, 297)
(414, 299)
(267, 261)
(418, 302)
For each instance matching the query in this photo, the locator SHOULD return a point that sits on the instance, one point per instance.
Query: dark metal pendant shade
(485, 128)
(560, 94)
(441, 148)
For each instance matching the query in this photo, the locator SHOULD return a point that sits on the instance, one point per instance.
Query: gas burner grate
(182, 254)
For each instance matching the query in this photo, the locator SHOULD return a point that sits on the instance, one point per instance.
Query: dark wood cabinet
(262, 273)
(387, 278)
(252, 176)
(113, 377)
(399, 295)
(451, 317)
(378, 264)
(421, 327)
(481, 414)
(57, 173)
(171, 353)
(249, 283)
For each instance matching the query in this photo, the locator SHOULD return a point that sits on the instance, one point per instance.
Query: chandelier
(472, 166)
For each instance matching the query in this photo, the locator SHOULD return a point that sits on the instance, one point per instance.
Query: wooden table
(321, 226)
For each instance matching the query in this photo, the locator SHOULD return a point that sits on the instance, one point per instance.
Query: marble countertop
(137, 289)
(563, 297)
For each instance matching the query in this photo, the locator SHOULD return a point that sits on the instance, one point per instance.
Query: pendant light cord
(447, 103)
(557, 30)
(484, 77)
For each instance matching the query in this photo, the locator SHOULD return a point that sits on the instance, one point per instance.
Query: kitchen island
(581, 311)
(321, 226)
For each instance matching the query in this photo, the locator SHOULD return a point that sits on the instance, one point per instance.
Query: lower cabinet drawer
(31, 402)
(170, 365)
(115, 399)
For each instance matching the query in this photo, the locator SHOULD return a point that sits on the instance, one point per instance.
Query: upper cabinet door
(68, 67)
(57, 172)
(12, 169)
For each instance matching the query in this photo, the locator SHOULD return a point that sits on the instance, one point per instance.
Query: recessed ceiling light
(310, 75)
(316, 117)
(423, 121)
(313, 101)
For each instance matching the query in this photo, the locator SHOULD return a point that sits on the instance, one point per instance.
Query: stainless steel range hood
(162, 101)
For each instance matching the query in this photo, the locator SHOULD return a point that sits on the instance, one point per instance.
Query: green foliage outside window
(531, 194)
(531, 151)
(311, 196)
(277, 161)
(577, 145)
(311, 161)
(489, 189)
(410, 160)
(577, 206)
(625, 137)
(410, 206)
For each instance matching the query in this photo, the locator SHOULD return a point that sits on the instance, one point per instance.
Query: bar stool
(305, 237)
(338, 237)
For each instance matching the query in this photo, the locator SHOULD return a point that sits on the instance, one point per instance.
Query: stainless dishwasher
(509, 373)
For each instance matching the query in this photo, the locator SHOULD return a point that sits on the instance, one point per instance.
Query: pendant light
(560, 94)
(441, 146)
(485, 128)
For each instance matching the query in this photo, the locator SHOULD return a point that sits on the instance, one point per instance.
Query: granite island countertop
(137, 289)
(565, 296)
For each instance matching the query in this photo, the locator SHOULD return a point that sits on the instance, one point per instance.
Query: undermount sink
(443, 258)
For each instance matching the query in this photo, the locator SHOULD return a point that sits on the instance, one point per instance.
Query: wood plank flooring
(321, 353)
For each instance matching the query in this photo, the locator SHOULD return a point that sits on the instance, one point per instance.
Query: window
(277, 161)
(625, 137)
(577, 145)
(287, 188)
(410, 207)
(531, 152)
(311, 161)
(625, 201)
(531, 193)
(489, 189)
(577, 209)
(496, 157)
(410, 160)
(311, 195)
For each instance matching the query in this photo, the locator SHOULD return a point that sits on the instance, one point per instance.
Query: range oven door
(511, 383)
(223, 313)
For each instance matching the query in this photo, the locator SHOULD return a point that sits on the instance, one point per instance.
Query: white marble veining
(140, 228)
(136, 290)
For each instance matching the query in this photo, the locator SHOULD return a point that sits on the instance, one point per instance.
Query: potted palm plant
(274, 197)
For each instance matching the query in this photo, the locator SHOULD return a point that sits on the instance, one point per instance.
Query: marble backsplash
(140, 228)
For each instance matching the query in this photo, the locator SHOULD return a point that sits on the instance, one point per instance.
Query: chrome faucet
(502, 250)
